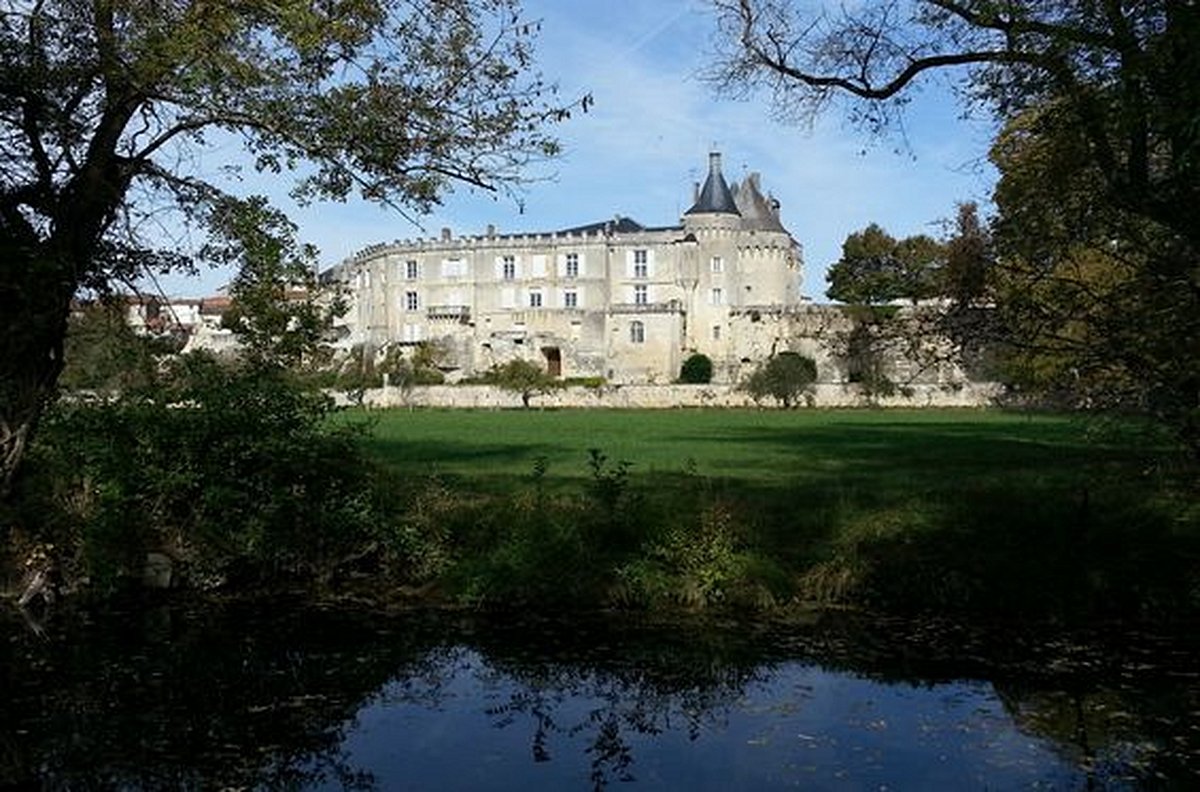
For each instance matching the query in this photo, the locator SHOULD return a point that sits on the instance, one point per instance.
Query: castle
(613, 299)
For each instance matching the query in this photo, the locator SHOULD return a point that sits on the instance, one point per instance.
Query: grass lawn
(915, 509)
(937, 447)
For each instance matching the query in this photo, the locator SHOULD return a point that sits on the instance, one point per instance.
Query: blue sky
(646, 140)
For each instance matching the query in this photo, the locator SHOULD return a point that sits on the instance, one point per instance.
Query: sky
(646, 139)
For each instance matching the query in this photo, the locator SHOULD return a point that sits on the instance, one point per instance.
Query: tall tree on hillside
(1110, 88)
(105, 106)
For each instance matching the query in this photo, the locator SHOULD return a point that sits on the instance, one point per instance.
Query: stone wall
(667, 396)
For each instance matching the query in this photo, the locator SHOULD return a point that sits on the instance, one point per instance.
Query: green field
(937, 448)
(983, 511)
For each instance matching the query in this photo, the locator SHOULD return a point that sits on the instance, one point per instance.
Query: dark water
(281, 698)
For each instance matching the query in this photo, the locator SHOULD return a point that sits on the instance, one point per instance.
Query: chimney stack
(445, 233)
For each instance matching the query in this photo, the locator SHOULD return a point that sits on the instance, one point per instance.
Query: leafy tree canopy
(697, 369)
(876, 268)
(107, 105)
(785, 377)
(523, 377)
(1094, 279)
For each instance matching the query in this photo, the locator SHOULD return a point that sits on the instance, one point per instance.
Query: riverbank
(982, 513)
(977, 515)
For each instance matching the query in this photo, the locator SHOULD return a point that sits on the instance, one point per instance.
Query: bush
(785, 377)
(522, 377)
(232, 472)
(696, 370)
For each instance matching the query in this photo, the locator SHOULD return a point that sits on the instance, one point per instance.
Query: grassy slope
(984, 511)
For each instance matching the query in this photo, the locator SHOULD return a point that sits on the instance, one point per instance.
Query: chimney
(714, 162)
(695, 192)
(445, 234)
(491, 230)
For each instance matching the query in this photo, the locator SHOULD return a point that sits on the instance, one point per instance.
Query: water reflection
(285, 699)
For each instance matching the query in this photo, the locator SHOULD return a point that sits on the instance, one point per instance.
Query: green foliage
(102, 353)
(785, 377)
(865, 349)
(103, 105)
(955, 512)
(876, 268)
(1094, 305)
(523, 377)
(233, 472)
(277, 314)
(697, 369)
(1094, 287)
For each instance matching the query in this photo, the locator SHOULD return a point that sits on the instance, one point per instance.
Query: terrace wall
(969, 394)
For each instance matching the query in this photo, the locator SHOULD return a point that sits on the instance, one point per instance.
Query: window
(412, 270)
(640, 267)
(716, 297)
(718, 264)
(640, 295)
(572, 265)
(535, 299)
(637, 333)
(570, 299)
(510, 267)
(411, 301)
(716, 334)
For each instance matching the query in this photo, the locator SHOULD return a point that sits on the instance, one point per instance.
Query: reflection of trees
(1115, 735)
(238, 698)
(638, 682)
(164, 700)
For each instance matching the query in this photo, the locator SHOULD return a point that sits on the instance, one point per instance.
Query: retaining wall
(970, 394)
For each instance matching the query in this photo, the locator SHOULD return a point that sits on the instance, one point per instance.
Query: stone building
(613, 299)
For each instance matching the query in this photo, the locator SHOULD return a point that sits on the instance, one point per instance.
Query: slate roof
(758, 212)
(715, 196)
(620, 225)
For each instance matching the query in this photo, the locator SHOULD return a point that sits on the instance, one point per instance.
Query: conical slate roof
(715, 196)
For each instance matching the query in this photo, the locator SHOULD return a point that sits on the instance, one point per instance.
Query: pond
(284, 697)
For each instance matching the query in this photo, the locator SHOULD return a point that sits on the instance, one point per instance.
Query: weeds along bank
(253, 489)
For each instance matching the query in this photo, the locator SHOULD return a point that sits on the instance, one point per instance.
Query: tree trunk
(35, 301)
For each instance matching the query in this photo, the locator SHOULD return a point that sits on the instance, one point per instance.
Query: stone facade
(614, 299)
(620, 301)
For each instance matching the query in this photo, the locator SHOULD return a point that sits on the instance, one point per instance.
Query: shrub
(696, 370)
(233, 472)
(522, 377)
(785, 377)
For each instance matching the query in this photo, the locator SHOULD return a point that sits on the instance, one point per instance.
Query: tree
(103, 353)
(1101, 96)
(1091, 307)
(876, 268)
(277, 312)
(696, 370)
(523, 377)
(785, 377)
(105, 104)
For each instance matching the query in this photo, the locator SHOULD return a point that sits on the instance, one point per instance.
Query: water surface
(283, 698)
